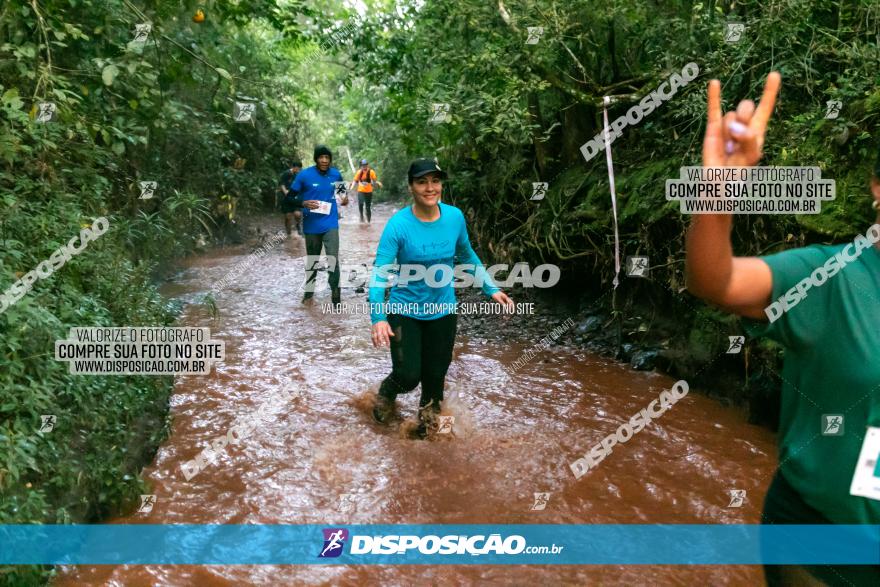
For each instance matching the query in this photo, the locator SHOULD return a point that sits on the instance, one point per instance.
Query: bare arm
(742, 285)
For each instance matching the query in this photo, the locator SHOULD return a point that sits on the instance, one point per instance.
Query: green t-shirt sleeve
(804, 323)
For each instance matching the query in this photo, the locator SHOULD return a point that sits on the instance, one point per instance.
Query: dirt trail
(319, 459)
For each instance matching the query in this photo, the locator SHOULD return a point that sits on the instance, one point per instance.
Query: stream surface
(319, 458)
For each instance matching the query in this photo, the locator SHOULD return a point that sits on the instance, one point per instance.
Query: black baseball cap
(424, 166)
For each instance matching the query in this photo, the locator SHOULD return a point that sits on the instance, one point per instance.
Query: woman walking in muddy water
(828, 329)
(419, 321)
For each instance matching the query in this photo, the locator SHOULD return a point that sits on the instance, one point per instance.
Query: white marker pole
(607, 101)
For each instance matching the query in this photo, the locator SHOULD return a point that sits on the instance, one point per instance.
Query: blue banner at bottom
(480, 544)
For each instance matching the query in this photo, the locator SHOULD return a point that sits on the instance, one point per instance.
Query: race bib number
(323, 208)
(866, 479)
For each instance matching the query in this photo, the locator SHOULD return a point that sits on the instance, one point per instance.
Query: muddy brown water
(319, 459)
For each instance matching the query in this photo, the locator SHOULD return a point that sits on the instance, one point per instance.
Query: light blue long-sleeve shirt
(410, 241)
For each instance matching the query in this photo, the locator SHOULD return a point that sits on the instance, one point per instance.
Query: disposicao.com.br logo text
(452, 544)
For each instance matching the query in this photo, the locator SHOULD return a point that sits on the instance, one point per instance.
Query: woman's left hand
(503, 299)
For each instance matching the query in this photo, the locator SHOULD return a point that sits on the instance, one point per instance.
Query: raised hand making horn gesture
(819, 303)
(736, 139)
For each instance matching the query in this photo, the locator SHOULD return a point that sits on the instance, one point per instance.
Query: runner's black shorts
(287, 204)
(784, 505)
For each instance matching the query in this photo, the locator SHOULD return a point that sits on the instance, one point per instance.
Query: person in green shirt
(822, 303)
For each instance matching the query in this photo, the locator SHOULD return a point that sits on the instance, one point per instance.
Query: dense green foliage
(323, 73)
(161, 112)
(520, 112)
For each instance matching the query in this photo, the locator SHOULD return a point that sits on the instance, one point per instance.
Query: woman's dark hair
(877, 165)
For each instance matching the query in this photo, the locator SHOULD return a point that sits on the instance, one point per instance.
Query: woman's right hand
(381, 333)
(736, 139)
(742, 285)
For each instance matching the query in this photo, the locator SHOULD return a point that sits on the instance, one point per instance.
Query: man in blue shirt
(316, 189)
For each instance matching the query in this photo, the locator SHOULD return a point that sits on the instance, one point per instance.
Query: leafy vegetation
(520, 112)
(163, 112)
(126, 112)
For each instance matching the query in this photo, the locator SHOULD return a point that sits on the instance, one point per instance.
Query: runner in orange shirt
(365, 178)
